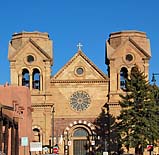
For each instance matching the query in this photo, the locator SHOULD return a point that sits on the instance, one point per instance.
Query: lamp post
(156, 94)
(107, 147)
(153, 77)
(53, 111)
(93, 142)
(66, 147)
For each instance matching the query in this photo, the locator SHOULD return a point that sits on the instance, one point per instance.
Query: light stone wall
(57, 89)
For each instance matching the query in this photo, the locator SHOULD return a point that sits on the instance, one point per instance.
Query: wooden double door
(80, 147)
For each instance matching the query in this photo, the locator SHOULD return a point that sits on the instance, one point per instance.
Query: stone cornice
(42, 105)
(39, 93)
(79, 81)
(113, 104)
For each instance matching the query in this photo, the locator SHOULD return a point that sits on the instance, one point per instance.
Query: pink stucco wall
(19, 97)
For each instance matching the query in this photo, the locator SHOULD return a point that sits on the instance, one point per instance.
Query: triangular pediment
(29, 46)
(79, 68)
(129, 46)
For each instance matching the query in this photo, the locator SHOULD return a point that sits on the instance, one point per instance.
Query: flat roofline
(127, 33)
(29, 34)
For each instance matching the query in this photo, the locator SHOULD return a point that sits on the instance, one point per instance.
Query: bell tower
(124, 50)
(30, 56)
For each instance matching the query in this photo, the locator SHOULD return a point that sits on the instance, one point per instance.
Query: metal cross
(79, 46)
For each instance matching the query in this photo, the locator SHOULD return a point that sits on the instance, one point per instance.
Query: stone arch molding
(37, 127)
(80, 123)
(30, 69)
(40, 133)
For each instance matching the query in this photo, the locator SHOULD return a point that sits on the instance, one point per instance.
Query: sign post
(150, 148)
(24, 142)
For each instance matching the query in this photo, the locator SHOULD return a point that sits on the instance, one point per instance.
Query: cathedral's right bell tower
(124, 50)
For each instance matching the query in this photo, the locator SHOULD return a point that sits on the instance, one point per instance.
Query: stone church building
(66, 104)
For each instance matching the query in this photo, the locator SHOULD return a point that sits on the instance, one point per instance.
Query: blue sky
(71, 21)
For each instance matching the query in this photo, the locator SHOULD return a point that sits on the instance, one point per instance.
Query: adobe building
(15, 120)
(67, 103)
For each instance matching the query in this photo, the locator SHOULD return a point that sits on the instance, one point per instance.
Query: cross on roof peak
(79, 45)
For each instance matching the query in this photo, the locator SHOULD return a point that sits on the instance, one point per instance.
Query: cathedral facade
(66, 104)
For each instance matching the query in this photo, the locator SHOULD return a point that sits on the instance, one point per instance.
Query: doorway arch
(78, 138)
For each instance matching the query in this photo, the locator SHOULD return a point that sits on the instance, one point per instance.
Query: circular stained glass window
(129, 57)
(79, 71)
(80, 101)
(30, 58)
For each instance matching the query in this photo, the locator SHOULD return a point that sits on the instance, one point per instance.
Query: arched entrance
(80, 141)
(78, 138)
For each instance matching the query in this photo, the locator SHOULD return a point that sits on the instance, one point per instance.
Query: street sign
(55, 149)
(69, 143)
(92, 142)
(149, 147)
(105, 153)
(35, 146)
(24, 141)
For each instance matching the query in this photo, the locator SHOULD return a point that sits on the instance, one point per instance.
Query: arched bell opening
(25, 78)
(36, 79)
(123, 77)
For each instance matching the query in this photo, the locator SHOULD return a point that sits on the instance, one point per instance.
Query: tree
(106, 138)
(155, 92)
(138, 120)
(102, 127)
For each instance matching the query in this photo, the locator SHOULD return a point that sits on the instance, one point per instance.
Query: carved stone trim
(79, 81)
(77, 122)
(42, 105)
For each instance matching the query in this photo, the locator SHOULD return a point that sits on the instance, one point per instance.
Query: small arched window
(123, 77)
(80, 132)
(25, 78)
(36, 79)
(36, 133)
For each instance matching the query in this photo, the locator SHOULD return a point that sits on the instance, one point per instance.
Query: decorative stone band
(84, 122)
(79, 81)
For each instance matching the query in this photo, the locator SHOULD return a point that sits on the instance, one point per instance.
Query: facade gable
(29, 47)
(129, 46)
(80, 68)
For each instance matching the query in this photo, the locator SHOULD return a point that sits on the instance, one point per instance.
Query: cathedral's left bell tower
(30, 56)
